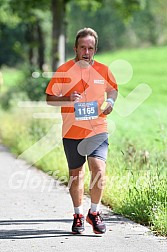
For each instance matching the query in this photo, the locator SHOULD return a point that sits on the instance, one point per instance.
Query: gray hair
(84, 32)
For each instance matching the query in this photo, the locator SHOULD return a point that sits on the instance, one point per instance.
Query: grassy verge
(136, 167)
(135, 185)
(11, 77)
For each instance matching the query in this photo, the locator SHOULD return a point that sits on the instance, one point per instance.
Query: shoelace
(98, 218)
(78, 220)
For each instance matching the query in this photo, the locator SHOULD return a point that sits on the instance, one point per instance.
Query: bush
(25, 88)
(34, 87)
(11, 97)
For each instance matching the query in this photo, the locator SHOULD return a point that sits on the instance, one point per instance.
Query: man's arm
(112, 95)
(111, 98)
(56, 100)
(62, 100)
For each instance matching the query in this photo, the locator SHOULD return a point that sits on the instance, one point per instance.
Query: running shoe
(96, 221)
(78, 224)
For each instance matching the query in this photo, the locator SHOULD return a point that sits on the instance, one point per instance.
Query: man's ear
(75, 49)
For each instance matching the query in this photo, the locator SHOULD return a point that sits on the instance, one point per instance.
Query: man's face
(85, 49)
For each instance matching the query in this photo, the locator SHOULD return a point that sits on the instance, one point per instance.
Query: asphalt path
(36, 215)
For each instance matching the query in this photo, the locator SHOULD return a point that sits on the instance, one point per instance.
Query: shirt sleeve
(110, 81)
(55, 85)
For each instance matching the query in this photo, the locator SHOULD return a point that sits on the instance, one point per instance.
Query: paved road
(36, 216)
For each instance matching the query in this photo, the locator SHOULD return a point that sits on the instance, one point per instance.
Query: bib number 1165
(86, 110)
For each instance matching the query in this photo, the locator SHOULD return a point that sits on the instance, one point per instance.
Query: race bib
(86, 110)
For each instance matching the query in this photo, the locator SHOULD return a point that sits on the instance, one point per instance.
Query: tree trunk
(41, 46)
(58, 33)
(30, 40)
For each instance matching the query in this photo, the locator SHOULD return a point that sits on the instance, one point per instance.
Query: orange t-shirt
(84, 118)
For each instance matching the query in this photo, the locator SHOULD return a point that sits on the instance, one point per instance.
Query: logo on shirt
(98, 81)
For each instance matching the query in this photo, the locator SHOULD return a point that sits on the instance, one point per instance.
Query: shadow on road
(21, 233)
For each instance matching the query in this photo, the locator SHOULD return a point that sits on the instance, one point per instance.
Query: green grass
(11, 77)
(148, 67)
(136, 167)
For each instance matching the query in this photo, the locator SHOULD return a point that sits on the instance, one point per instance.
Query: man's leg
(76, 185)
(76, 188)
(97, 168)
(76, 181)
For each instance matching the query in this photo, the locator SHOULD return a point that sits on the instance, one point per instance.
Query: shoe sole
(90, 222)
(75, 233)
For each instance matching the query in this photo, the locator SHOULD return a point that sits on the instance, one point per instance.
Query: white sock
(94, 207)
(78, 210)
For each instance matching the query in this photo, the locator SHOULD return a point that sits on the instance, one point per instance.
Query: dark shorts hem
(94, 156)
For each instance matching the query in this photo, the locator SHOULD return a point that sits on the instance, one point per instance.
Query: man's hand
(107, 106)
(75, 96)
(108, 109)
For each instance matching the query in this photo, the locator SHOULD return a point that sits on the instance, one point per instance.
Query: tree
(29, 14)
(32, 14)
(58, 32)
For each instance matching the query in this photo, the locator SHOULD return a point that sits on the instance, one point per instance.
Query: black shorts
(76, 150)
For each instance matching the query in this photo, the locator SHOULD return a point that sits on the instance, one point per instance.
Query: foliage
(34, 84)
(30, 41)
(11, 97)
(126, 8)
(12, 39)
(111, 36)
(118, 23)
(27, 35)
(24, 85)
